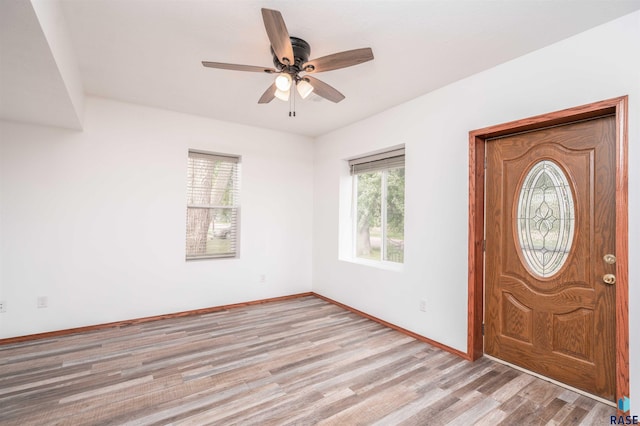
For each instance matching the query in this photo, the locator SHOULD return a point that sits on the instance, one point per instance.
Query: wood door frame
(477, 141)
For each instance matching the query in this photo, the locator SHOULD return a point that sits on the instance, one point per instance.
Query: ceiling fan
(291, 58)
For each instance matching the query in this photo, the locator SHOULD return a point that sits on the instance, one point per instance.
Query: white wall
(599, 64)
(40, 82)
(54, 27)
(95, 220)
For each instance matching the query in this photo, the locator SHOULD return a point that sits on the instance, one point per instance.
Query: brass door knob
(609, 279)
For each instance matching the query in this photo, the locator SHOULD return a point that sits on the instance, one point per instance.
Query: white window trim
(349, 255)
(380, 264)
(237, 207)
(353, 258)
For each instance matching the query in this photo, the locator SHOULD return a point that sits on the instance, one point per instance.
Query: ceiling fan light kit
(283, 81)
(283, 95)
(291, 58)
(304, 88)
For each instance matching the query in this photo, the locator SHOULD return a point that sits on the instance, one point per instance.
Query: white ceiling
(149, 51)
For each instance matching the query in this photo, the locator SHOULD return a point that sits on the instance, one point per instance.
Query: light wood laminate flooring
(296, 362)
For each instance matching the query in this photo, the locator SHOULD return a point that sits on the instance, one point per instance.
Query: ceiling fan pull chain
(292, 101)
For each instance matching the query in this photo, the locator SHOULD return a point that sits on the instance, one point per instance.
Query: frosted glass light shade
(304, 88)
(283, 82)
(283, 95)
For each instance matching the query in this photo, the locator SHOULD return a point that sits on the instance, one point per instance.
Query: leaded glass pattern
(545, 219)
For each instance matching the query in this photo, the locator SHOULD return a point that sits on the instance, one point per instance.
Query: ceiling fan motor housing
(301, 53)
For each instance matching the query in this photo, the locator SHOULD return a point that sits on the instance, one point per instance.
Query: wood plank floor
(297, 362)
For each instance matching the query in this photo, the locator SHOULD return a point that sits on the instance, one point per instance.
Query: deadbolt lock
(609, 258)
(609, 279)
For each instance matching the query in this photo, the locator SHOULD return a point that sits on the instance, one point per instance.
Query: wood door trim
(477, 141)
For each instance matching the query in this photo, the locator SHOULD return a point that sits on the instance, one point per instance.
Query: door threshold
(555, 382)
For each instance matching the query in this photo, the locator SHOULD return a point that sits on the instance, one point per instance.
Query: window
(545, 219)
(379, 206)
(212, 206)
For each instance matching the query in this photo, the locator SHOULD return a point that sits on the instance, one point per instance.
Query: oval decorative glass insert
(545, 218)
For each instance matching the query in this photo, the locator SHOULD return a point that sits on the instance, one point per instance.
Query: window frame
(386, 161)
(235, 207)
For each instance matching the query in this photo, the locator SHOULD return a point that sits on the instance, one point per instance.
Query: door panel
(547, 307)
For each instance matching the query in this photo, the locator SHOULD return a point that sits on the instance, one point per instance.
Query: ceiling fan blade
(321, 88)
(278, 35)
(339, 60)
(268, 95)
(236, 67)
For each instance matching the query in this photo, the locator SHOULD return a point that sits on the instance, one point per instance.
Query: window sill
(231, 256)
(379, 264)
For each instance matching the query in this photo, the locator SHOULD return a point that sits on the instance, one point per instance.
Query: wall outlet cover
(42, 302)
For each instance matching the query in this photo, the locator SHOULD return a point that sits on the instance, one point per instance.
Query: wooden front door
(550, 222)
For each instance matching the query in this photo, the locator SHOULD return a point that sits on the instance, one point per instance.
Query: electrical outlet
(43, 302)
(423, 305)
(263, 278)
(3, 306)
